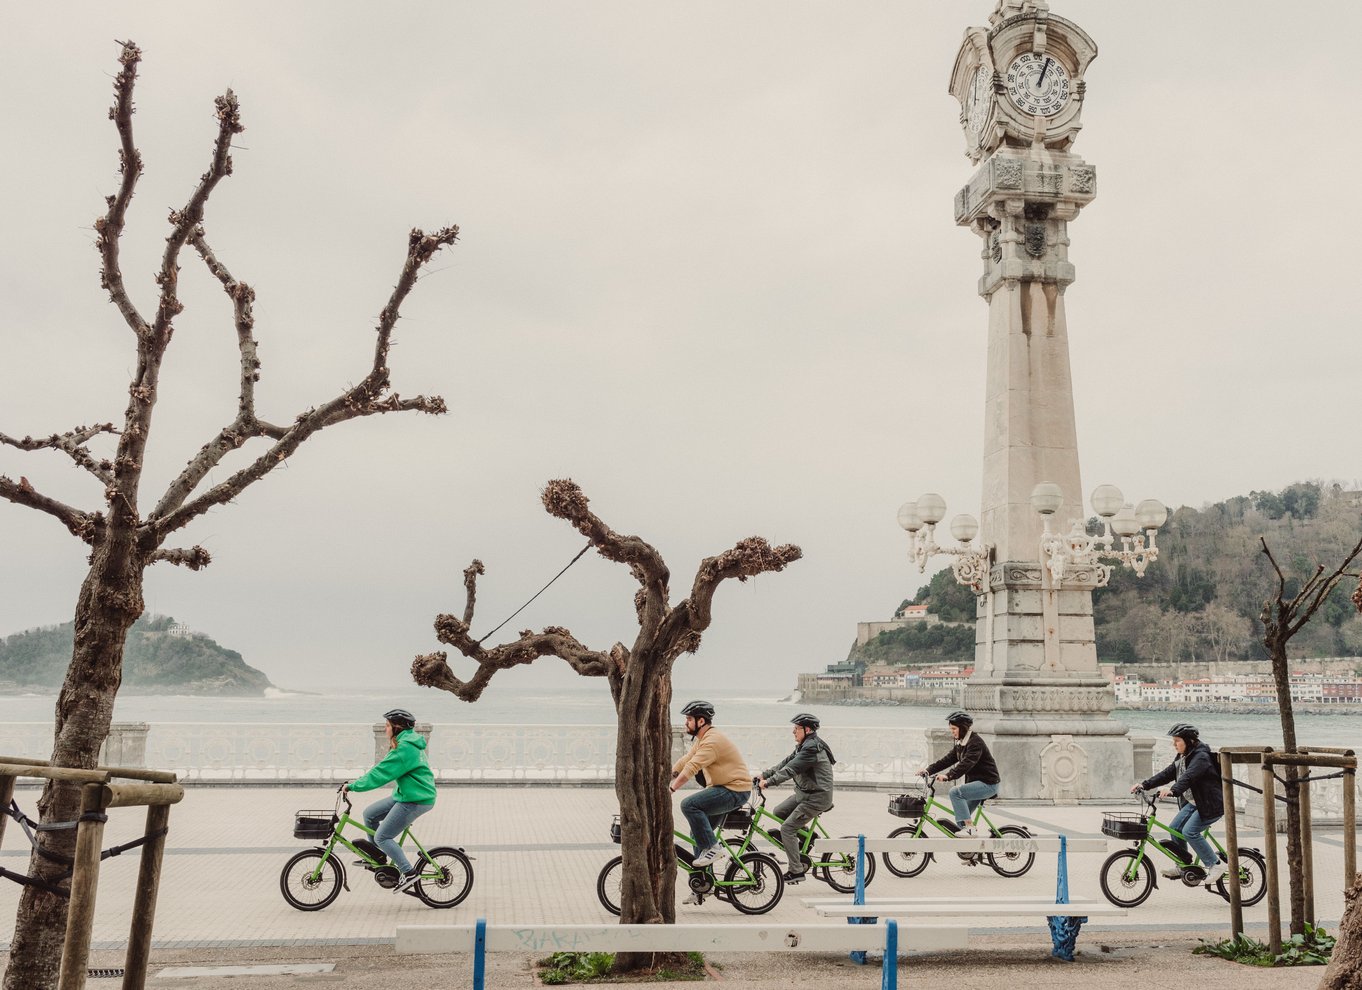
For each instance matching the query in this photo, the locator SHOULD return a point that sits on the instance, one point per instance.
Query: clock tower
(1037, 693)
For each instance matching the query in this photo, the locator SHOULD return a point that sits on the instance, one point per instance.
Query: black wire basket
(314, 824)
(908, 805)
(1125, 825)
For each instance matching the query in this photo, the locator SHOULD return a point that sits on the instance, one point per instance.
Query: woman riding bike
(414, 795)
(1196, 784)
(970, 759)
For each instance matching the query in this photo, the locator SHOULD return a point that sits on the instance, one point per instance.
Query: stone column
(1037, 694)
(126, 745)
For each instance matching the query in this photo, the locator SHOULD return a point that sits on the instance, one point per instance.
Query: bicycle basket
(738, 820)
(615, 829)
(908, 805)
(314, 824)
(1125, 825)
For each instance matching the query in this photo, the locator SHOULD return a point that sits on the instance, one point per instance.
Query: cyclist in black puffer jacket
(1195, 782)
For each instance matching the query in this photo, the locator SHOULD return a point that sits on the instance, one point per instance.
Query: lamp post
(1079, 549)
(920, 516)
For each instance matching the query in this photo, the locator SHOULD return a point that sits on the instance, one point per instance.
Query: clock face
(978, 100)
(1038, 84)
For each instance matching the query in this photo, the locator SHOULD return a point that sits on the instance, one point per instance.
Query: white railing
(250, 752)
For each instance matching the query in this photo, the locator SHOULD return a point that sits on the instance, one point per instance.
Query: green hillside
(1200, 601)
(155, 661)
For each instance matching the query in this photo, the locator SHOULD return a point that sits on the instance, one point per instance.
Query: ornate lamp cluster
(1077, 549)
(920, 517)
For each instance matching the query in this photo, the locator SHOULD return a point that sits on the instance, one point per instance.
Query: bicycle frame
(932, 803)
(1152, 806)
(337, 837)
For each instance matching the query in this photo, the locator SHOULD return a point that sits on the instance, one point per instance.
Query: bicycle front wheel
(1125, 882)
(609, 884)
(755, 883)
(838, 870)
(1011, 864)
(446, 877)
(309, 884)
(1252, 879)
(906, 864)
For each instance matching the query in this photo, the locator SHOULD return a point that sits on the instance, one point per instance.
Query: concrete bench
(482, 938)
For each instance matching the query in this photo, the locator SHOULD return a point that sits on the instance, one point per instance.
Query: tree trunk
(642, 784)
(1345, 964)
(1295, 853)
(110, 601)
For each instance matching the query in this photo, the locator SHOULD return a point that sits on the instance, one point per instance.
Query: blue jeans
(389, 819)
(1189, 822)
(704, 807)
(968, 796)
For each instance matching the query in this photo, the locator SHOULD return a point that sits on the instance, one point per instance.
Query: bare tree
(126, 538)
(1282, 618)
(639, 679)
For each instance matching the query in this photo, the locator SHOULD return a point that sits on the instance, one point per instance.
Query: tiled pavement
(537, 852)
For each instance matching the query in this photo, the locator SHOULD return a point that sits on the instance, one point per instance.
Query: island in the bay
(161, 656)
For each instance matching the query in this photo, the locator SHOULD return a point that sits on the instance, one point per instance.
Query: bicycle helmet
(1187, 731)
(400, 718)
(806, 720)
(962, 719)
(699, 709)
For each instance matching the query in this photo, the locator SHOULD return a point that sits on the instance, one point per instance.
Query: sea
(590, 704)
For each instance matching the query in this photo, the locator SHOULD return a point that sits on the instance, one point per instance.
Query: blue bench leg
(889, 971)
(480, 954)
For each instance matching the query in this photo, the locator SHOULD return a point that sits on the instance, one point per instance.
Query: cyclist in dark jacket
(1196, 784)
(810, 765)
(970, 759)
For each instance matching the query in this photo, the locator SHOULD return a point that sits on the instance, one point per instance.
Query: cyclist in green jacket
(413, 796)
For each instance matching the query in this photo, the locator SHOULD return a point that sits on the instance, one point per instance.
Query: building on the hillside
(912, 615)
(883, 675)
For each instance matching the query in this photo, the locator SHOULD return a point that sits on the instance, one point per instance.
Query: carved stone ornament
(1064, 701)
(1035, 239)
(1007, 173)
(1083, 179)
(1010, 574)
(1064, 771)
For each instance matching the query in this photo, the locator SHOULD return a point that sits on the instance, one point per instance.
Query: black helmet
(400, 717)
(806, 720)
(962, 719)
(699, 709)
(1189, 733)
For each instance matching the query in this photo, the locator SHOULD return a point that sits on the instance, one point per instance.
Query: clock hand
(1043, 69)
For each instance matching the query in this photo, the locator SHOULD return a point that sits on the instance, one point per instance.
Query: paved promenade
(537, 852)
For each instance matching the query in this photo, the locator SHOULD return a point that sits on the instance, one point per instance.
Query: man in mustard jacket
(413, 796)
(720, 769)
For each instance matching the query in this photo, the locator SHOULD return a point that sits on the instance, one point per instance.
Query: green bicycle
(313, 878)
(752, 881)
(1128, 876)
(837, 870)
(920, 806)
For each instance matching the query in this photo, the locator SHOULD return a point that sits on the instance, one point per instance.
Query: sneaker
(408, 880)
(791, 876)
(1216, 872)
(965, 831)
(1171, 873)
(692, 898)
(707, 856)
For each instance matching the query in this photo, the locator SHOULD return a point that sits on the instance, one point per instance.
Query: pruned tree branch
(80, 524)
(365, 399)
(664, 633)
(72, 444)
(109, 228)
(195, 558)
(1290, 616)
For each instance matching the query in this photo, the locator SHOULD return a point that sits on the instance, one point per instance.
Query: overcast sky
(708, 269)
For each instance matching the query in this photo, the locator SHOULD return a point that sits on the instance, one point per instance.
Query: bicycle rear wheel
(1124, 882)
(608, 884)
(305, 886)
(454, 881)
(906, 864)
(755, 883)
(1252, 879)
(838, 870)
(1011, 864)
